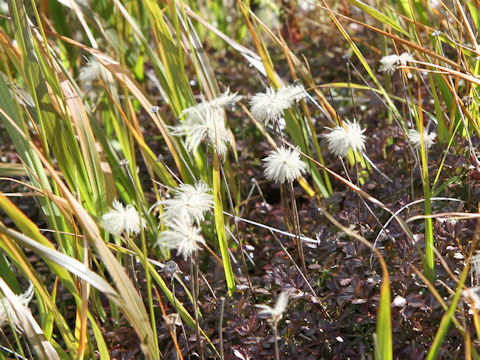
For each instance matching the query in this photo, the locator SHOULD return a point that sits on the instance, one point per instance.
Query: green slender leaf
(220, 225)
(384, 19)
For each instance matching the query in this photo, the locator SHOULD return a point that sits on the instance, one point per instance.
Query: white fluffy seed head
(7, 313)
(284, 165)
(182, 236)
(470, 295)
(341, 139)
(206, 121)
(416, 139)
(269, 106)
(123, 219)
(90, 72)
(292, 93)
(390, 63)
(190, 202)
(275, 314)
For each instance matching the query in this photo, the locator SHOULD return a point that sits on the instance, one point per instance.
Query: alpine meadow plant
(416, 138)
(284, 165)
(66, 124)
(274, 315)
(182, 235)
(269, 106)
(206, 122)
(123, 219)
(190, 202)
(341, 139)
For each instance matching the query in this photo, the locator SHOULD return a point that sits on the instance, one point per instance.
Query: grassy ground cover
(239, 180)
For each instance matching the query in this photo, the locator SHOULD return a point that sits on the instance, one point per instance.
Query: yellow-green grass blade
(129, 299)
(46, 304)
(57, 133)
(66, 262)
(220, 224)
(39, 241)
(384, 322)
(381, 17)
(447, 318)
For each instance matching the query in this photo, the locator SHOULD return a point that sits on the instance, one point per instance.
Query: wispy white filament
(122, 219)
(7, 313)
(341, 139)
(269, 106)
(190, 202)
(416, 139)
(275, 314)
(182, 236)
(284, 165)
(206, 122)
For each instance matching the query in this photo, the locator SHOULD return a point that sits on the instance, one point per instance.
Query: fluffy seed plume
(190, 202)
(416, 138)
(390, 63)
(269, 106)
(284, 165)
(206, 121)
(471, 295)
(275, 314)
(341, 139)
(122, 219)
(182, 236)
(7, 313)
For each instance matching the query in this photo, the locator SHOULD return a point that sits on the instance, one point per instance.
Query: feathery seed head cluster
(275, 314)
(284, 165)
(390, 63)
(269, 106)
(7, 313)
(190, 202)
(183, 214)
(206, 121)
(341, 139)
(416, 139)
(182, 235)
(123, 219)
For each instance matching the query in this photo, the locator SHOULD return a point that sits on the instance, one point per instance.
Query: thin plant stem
(172, 281)
(194, 275)
(144, 256)
(296, 227)
(275, 336)
(240, 238)
(220, 326)
(300, 272)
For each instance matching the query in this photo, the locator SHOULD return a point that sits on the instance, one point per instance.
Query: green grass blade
(220, 225)
(447, 319)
